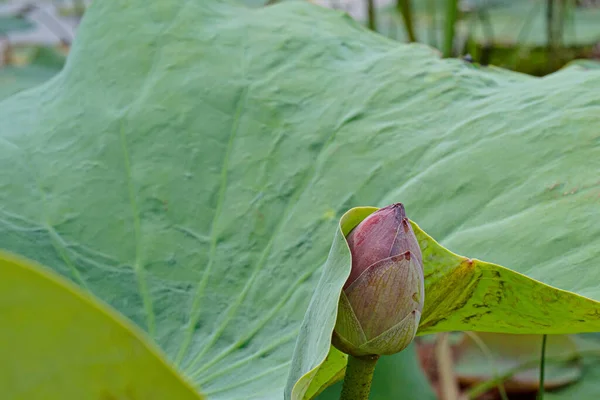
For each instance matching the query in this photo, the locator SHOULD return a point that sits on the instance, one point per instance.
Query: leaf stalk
(542, 368)
(358, 378)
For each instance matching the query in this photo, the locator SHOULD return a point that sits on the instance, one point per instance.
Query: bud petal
(396, 338)
(385, 233)
(380, 307)
(386, 293)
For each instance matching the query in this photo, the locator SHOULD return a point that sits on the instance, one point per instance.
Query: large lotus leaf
(192, 161)
(58, 343)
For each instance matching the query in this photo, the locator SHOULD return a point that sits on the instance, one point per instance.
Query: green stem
(359, 374)
(542, 368)
(405, 9)
(371, 15)
(450, 30)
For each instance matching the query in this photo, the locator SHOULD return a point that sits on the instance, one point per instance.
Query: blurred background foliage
(35, 37)
(536, 37)
(532, 36)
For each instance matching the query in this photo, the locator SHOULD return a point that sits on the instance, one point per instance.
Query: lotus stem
(542, 368)
(372, 23)
(450, 29)
(359, 375)
(405, 9)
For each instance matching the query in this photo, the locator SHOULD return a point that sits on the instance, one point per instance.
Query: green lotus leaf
(59, 343)
(191, 163)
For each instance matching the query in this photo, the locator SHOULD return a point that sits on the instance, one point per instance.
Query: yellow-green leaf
(58, 343)
(460, 294)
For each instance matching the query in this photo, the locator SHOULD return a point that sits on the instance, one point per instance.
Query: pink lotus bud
(380, 307)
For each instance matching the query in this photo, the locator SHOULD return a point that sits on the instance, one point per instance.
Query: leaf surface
(191, 162)
(59, 343)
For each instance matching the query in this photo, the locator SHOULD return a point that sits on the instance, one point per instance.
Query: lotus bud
(382, 300)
